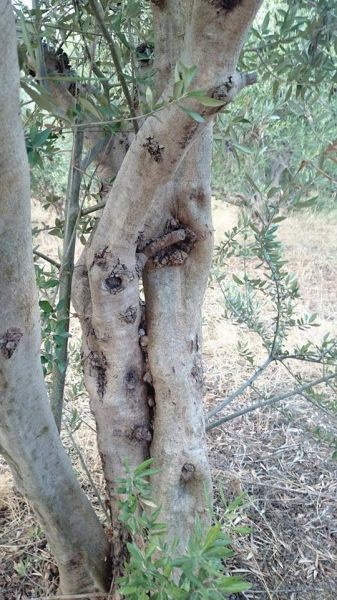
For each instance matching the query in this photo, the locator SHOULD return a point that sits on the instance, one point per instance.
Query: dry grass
(286, 476)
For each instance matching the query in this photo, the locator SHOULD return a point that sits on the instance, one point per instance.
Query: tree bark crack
(98, 368)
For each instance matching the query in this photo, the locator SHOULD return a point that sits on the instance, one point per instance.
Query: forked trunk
(143, 367)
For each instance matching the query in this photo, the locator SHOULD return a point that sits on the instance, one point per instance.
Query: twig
(98, 12)
(173, 237)
(306, 397)
(97, 595)
(91, 209)
(276, 282)
(304, 358)
(99, 74)
(40, 66)
(93, 153)
(278, 590)
(47, 258)
(241, 389)
(87, 472)
(270, 401)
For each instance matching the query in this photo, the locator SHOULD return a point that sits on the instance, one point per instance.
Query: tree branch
(271, 401)
(66, 271)
(173, 237)
(99, 14)
(29, 439)
(91, 209)
(47, 258)
(241, 389)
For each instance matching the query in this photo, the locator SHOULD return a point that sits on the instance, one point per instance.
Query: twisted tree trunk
(144, 371)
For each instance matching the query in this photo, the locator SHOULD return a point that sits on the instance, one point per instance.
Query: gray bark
(161, 190)
(174, 297)
(29, 438)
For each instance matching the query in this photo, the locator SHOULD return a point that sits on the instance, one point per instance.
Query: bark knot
(154, 149)
(221, 92)
(197, 371)
(142, 433)
(131, 379)
(188, 132)
(228, 5)
(144, 53)
(187, 472)
(113, 283)
(9, 341)
(101, 259)
(129, 315)
(118, 278)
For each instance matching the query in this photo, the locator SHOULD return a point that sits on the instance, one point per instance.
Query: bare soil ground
(270, 463)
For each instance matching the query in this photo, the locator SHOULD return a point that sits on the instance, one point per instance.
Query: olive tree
(142, 360)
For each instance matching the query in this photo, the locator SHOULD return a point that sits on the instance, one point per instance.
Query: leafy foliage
(154, 568)
(283, 131)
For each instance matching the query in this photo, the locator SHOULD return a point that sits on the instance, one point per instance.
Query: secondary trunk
(174, 297)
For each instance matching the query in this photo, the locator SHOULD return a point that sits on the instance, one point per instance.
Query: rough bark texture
(29, 438)
(174, 297)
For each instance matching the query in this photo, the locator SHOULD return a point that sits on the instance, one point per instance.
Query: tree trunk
(174, 297)
(29, 438)
(144, 372)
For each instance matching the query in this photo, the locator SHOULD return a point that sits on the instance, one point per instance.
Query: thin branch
(271, 401)
(47, 258)
(99, 124)
(247, 79)
(40, 66)
(241, 389)
(99, 14)
(99, 74)
(93, 153)
(303, 358)
(237, 200)
(97, 595)
(276, 282)
(66, 271)
(91, 209)
(305, 396)
(87, 472)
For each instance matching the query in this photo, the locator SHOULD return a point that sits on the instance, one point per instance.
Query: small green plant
(22, 567)
(155, 568)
